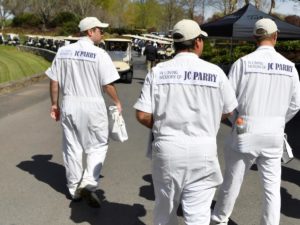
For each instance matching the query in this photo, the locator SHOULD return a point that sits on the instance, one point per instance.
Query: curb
(11, 86)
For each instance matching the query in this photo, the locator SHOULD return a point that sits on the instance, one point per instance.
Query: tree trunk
(272, 7)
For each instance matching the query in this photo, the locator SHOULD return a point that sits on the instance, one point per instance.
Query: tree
(229, 6)
(131, 16)
(149, 14)
(80, 7)
(225, 6)
(16, 7)
(116, 11)
(190, 5)
(173, 12)
(272, 7)
(264, 5)
(46, 10)
(5, 12)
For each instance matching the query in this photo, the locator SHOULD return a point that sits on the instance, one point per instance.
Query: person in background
(151, 55)
(182, 102)
(82, 72)
(268, 91)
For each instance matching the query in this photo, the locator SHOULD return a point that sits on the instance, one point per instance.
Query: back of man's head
(264, 29)
(185, 32)
(91, 22)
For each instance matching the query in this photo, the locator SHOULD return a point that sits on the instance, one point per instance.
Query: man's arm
(54, 95)
(112, 93)
(294, 105)
(145, 118)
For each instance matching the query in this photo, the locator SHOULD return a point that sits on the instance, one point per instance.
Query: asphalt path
(33, 190)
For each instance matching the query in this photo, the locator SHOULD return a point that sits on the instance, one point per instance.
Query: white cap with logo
(187, 30)
(91, 22)
(264, 27)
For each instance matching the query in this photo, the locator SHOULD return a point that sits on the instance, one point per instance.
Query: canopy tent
(239, 25)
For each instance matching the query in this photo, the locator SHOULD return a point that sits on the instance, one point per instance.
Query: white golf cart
(120, 52)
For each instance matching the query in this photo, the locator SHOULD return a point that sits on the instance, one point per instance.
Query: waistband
(82, 99)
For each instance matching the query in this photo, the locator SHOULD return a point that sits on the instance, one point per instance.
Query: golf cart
(3, 41)
(13, 39)
(120, 53)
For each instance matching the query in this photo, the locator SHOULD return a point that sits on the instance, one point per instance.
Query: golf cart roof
(157, 37)
(70, 38)
(118, 39)
(148, 39)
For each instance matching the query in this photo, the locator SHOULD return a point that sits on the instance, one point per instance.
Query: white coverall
(81, 70)
(186, 97)
(268, 92)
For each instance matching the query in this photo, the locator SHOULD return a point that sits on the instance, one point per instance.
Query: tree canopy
(152, 15)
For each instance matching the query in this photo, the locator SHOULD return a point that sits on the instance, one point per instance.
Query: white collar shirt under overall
(82, 69)
(267, 89)
(187, 97)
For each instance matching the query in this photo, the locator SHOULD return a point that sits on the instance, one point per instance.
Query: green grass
(16, 65)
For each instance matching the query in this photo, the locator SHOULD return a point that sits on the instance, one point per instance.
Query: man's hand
(55, 112)
(112, 93)
(119, 107)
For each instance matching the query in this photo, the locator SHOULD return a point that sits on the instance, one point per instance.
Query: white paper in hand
(287, 154)
(117, 127)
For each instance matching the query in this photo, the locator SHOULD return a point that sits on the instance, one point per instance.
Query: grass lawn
(15, 64)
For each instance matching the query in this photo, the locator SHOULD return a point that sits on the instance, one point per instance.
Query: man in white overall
(182, 101)
(83, 72)
(268, 92)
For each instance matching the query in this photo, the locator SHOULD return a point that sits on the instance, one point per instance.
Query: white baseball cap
(187, 30)
(91, 22)
(264, 27)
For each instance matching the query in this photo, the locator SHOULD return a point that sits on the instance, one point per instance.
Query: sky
(289, 8)
(284, 7)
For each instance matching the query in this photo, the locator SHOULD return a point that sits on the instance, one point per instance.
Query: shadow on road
(291, 175)
(110, 213)
(147, 191)
(46, 171)
(289, 205)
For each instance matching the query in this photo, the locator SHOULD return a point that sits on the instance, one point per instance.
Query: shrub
(26, 20)
(64, 17)
(68, 28)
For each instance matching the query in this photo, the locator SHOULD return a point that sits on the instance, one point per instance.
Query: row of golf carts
(9, 39)
(119, 49)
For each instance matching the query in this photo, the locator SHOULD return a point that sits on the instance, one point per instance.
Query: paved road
(33, 188)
